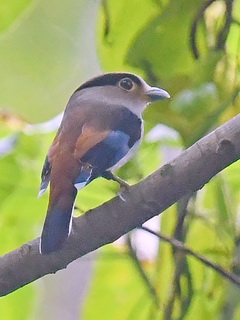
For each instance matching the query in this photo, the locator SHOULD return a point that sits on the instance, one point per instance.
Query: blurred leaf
(7, 144)
(10, 11)
(224, 205)
(10, 173)
(90, 197)
(11, 306)
(115, 273)
(21, 214)
(204, 69)
(163, 44)
(46, 57)
(120, 22)
(20, 209)
(196, 101)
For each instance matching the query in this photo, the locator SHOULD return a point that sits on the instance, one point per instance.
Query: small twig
(107, 18)
(179, 263)
(142, 273)
(193, 34)
(181, 246)
(182, 212)
(222, 36)
(179, 234)
(179, 257)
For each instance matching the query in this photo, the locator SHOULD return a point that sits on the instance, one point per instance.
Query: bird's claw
(121, 196)
(124, 188)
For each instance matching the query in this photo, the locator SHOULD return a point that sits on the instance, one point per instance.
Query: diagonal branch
(182, 247)
(151, 289)
(182, 176)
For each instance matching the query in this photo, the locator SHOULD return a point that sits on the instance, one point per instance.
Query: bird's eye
(126, 84)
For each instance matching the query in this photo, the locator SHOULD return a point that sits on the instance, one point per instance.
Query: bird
(101, 129)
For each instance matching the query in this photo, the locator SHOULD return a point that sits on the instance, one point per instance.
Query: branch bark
(182, 176)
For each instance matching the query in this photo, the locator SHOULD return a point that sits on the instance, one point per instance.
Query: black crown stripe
(109, 79)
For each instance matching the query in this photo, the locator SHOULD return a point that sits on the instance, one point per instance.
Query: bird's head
(118, 88)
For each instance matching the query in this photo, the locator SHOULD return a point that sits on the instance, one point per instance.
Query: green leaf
(46, 57)
(119, 24)
(116, 275)
(10, 10)
(11, 306)
(162, 46)
(193, 102)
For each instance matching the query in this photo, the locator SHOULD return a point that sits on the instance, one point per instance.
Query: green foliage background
(46, 51)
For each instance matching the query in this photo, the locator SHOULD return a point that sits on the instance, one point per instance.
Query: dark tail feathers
(57, 225)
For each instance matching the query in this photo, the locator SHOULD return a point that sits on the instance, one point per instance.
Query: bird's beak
(157, 94)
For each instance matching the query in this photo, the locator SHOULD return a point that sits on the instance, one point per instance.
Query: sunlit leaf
(46, 57)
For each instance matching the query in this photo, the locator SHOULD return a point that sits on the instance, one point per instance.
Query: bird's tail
(57, 225)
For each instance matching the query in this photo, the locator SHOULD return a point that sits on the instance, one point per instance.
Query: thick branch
(186, 174)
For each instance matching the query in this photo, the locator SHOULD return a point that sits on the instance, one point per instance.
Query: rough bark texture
(185, 174)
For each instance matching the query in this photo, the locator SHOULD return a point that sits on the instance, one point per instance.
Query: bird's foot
(110, 176)
(120, 194)
(124, 186)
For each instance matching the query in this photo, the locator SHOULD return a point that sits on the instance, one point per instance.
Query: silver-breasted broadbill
(101, 129)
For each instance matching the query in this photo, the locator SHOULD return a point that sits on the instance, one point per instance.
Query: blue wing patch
(106, 153)
(117, 141)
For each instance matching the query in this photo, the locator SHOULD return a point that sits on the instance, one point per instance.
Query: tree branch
(185, 174)
(180, 263)
(151, 289)
(182, 247)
